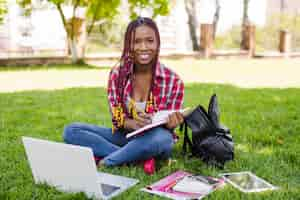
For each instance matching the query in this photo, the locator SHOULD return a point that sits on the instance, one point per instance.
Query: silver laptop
(72, 168)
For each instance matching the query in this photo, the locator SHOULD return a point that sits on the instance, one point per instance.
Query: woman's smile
(144, 57)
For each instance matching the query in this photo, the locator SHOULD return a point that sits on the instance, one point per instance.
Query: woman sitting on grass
(139, 87)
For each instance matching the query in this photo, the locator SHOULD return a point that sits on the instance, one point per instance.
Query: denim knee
(69, 131)
(162, 135)
(162, 138)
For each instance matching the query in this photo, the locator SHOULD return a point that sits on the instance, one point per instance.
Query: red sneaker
(97, 159)
(149, 166)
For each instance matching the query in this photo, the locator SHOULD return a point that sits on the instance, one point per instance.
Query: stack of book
(184, 185)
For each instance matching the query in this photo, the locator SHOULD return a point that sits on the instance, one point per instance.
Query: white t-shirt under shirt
(139, 105)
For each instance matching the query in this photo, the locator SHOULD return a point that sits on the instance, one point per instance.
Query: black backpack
(211, 142)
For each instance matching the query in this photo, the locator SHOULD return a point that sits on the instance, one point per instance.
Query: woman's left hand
(174, 120)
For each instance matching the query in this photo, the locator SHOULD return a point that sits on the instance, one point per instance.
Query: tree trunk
(74, 29)
(93, 19)
(73, 49)
(285, 42)
(190, 8)
(77, 43)
(206, 40)
(216, 18)
(248, 43)
(246, 22)
(65, 23)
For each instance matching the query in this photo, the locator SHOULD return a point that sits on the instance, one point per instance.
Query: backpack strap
(186, 139)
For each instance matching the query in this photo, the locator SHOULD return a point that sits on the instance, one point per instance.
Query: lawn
(265, 124)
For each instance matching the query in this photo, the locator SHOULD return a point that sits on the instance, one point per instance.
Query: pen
(170, 185)
(148, 187)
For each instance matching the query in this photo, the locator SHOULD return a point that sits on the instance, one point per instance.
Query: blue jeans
(116, 148)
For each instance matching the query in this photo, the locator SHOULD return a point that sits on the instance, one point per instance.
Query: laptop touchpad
(108, 189)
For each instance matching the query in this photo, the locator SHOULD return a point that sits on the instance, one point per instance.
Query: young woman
(139, 87)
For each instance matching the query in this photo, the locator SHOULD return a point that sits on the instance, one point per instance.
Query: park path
(254, 73)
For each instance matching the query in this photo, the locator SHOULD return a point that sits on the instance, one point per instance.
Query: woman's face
(145, 45)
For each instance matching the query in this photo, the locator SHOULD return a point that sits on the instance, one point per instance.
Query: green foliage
(3, 9)
(159, 7)
(102, 9)
(57, 1)
(96, 9)
(267, 37)
(106, 12)
(109, 34)
(230, 40)
(26, 5)
(70, 2)
(264, 122)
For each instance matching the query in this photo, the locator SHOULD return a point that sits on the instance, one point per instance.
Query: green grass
(265, 124)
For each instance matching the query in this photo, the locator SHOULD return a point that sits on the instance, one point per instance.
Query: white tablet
(247, 182)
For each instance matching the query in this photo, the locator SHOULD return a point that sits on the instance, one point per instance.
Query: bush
(107, 36)
(230, 40)
(267, 37)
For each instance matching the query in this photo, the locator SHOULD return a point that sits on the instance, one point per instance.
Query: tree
(100, 10)
(159, 7)
(245, 12)
(96, 10)
(190, 7)
(245, 23)
(70, 26)
(282, 9)
(3, 9)
(216, 18)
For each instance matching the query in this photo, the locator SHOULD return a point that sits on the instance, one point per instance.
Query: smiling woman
(137, 88)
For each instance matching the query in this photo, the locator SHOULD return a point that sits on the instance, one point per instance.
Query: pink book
(179, 185)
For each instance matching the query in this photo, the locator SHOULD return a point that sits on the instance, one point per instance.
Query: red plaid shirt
(168, 91)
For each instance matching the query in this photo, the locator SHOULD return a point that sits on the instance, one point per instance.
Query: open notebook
(182, 185)
(159, 118)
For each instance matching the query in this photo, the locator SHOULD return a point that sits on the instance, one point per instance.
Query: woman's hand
(174, 120)
(142, 119)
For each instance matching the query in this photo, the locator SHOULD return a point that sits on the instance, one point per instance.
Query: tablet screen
(247, 182)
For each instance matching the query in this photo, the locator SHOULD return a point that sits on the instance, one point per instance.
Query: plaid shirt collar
(159, 72)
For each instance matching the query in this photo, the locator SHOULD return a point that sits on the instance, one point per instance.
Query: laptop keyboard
(108, 189)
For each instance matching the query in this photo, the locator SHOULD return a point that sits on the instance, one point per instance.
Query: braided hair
(127, 59)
